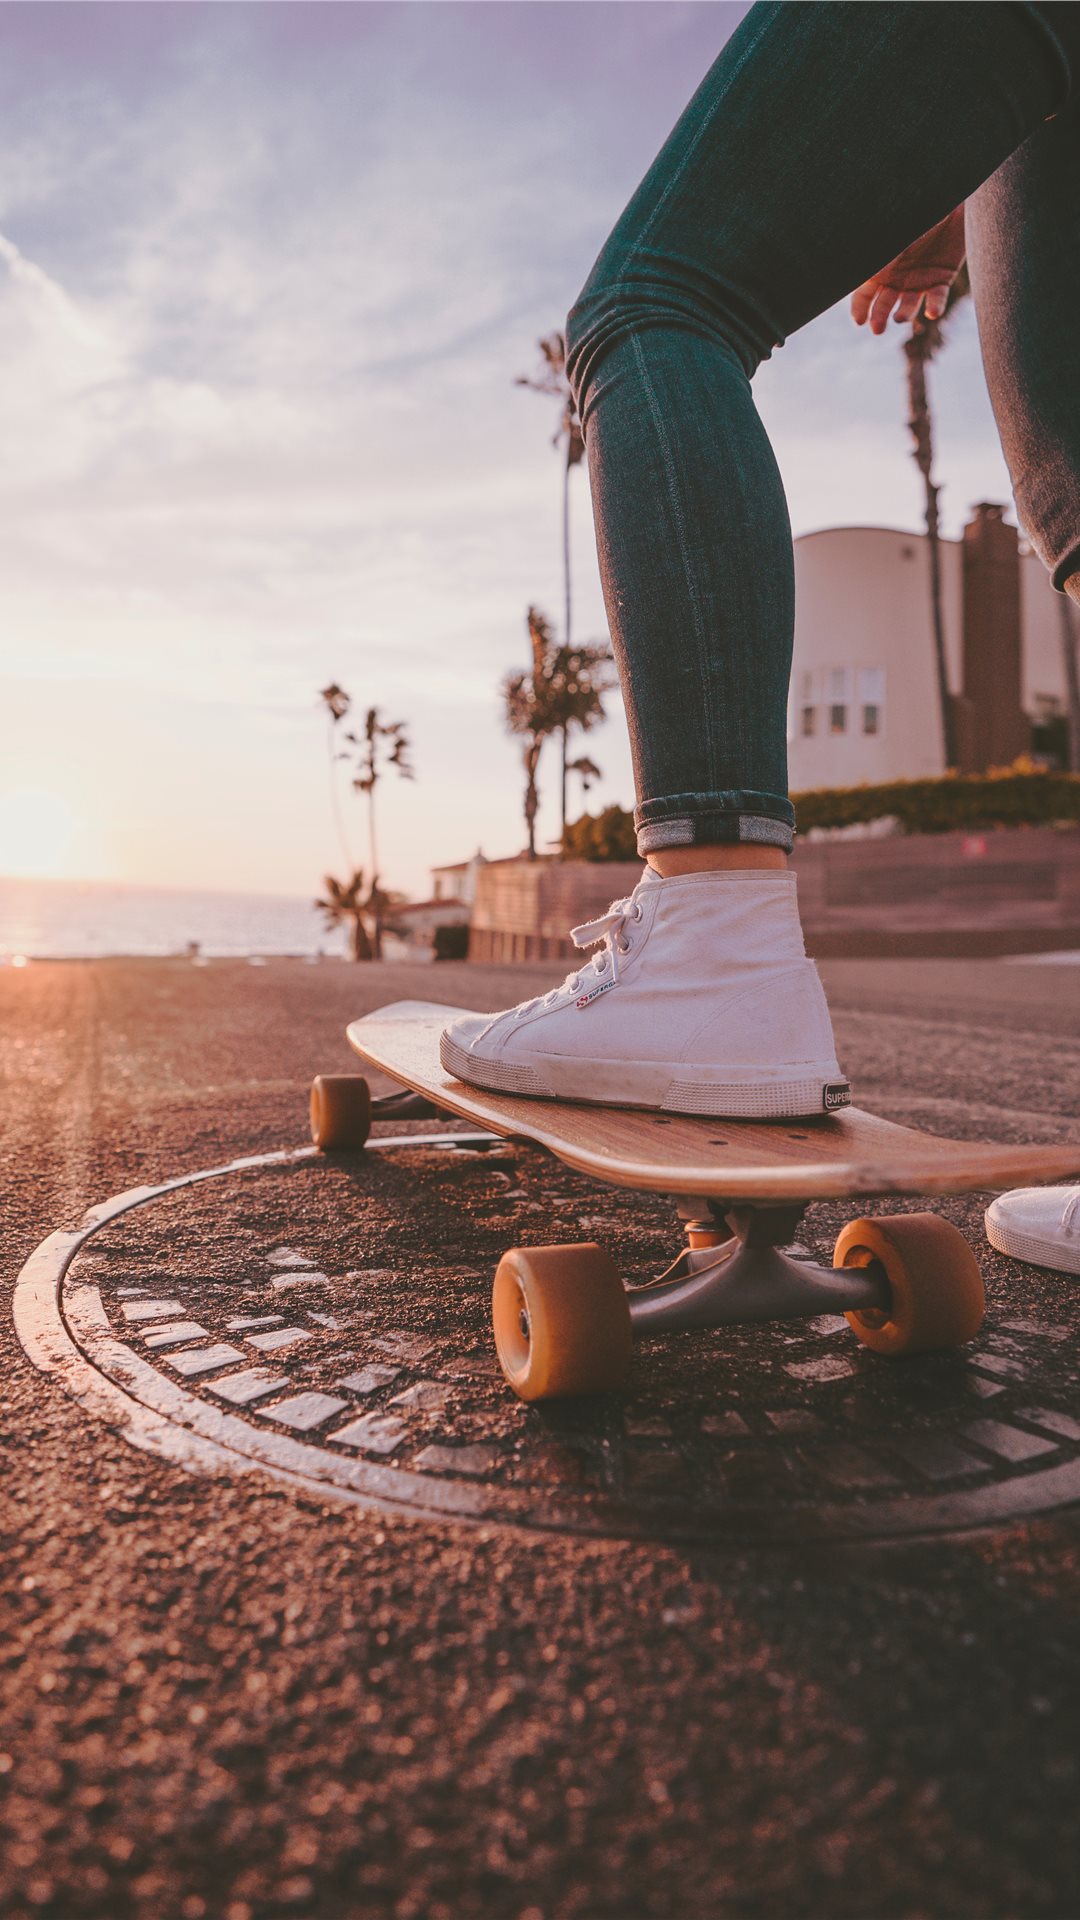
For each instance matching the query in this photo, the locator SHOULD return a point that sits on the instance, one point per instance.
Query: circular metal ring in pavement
(313, 1318)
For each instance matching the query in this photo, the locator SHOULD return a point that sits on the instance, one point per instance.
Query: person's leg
(1023, 239)
(824, 139)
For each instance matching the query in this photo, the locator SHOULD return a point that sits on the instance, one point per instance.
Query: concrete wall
(1001, 892)
(524, 909)
(1007, 891)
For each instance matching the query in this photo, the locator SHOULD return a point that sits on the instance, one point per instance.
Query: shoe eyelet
(625, 945)
(638, 910)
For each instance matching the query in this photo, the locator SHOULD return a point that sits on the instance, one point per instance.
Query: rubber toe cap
(468, 1030)
(1026, 1224)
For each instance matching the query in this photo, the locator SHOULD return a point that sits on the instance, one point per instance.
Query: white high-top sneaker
(700, 1000)
(1038, 1224)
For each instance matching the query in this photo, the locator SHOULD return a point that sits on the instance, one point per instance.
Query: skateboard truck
(342, 1111)
(745, 1276)
(563, 1317)
(405, 1105)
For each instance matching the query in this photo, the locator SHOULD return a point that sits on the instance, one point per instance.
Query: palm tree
(344, 901)
(551, 381)
(578, 683)
(926, 339)
(565, 689)
(337, 703)
(586, 770)
(383, 744)
(529, 711)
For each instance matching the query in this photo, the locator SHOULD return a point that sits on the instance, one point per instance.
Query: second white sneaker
(1038, 1224)
(700, 1000)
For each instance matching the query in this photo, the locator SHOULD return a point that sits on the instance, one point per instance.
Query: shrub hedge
(603, 836)
(1018, 796)
(1021, 796)
(451, 943)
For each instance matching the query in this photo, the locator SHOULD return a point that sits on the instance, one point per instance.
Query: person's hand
(917, 281)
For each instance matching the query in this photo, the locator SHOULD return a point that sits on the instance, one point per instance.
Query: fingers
(860, 301)
(908, 308)
(875, 300)
(881, 306)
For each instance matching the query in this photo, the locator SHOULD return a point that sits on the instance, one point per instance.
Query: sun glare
(43, 836)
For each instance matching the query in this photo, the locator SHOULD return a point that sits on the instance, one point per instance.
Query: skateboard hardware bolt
(707, 1233)
(523, 1323)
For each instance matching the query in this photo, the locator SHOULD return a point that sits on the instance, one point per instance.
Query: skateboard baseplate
(563, 1318)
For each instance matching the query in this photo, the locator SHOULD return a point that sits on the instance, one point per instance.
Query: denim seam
(695, 143)
(680, 525)
(687, 806)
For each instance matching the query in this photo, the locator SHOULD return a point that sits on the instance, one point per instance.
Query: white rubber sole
(1039, 1250)
(729, 1093)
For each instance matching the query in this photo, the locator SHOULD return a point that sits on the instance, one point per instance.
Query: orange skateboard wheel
(561, 1320)
(340, 1110)
(937, 1290)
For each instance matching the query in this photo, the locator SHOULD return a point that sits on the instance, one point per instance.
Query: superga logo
(587, 998)
(835, 1096)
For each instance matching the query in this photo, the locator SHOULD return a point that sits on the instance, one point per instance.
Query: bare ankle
(668, 861)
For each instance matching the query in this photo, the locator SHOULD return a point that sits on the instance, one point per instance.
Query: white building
(457, 882)
(864, 702)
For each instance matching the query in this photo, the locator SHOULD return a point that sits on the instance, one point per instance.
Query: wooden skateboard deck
(836, 1156)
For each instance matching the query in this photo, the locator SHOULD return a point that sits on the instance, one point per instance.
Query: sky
(267, 275)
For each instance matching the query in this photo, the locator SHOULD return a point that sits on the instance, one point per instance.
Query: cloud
(56, 303)
(266, 277)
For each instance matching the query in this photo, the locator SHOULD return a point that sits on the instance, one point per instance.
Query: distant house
(457, 882)
(864, 697)
(411, 929)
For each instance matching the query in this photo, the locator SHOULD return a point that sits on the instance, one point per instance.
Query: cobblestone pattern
(766, 1431)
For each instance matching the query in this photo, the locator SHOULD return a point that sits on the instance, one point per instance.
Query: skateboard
(563, 1319)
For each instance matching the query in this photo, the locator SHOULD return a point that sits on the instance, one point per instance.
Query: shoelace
(609, 929)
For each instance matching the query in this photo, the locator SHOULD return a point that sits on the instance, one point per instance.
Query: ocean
(87, 919)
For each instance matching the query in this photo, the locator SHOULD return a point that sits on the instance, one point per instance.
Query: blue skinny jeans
(823, 140)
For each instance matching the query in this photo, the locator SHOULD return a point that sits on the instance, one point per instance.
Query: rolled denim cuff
(1066, 572)
(715, 819)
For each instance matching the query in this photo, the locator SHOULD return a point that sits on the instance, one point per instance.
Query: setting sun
(43, 836)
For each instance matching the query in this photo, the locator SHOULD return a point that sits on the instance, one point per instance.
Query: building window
(838, 719)
(809, 720)
(872, 699)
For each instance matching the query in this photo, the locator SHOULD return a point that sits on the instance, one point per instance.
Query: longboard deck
(836, 1156)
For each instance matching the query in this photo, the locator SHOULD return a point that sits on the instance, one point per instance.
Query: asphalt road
(224, 1701)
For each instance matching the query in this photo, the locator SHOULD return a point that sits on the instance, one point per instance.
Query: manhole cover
(328, 1321)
